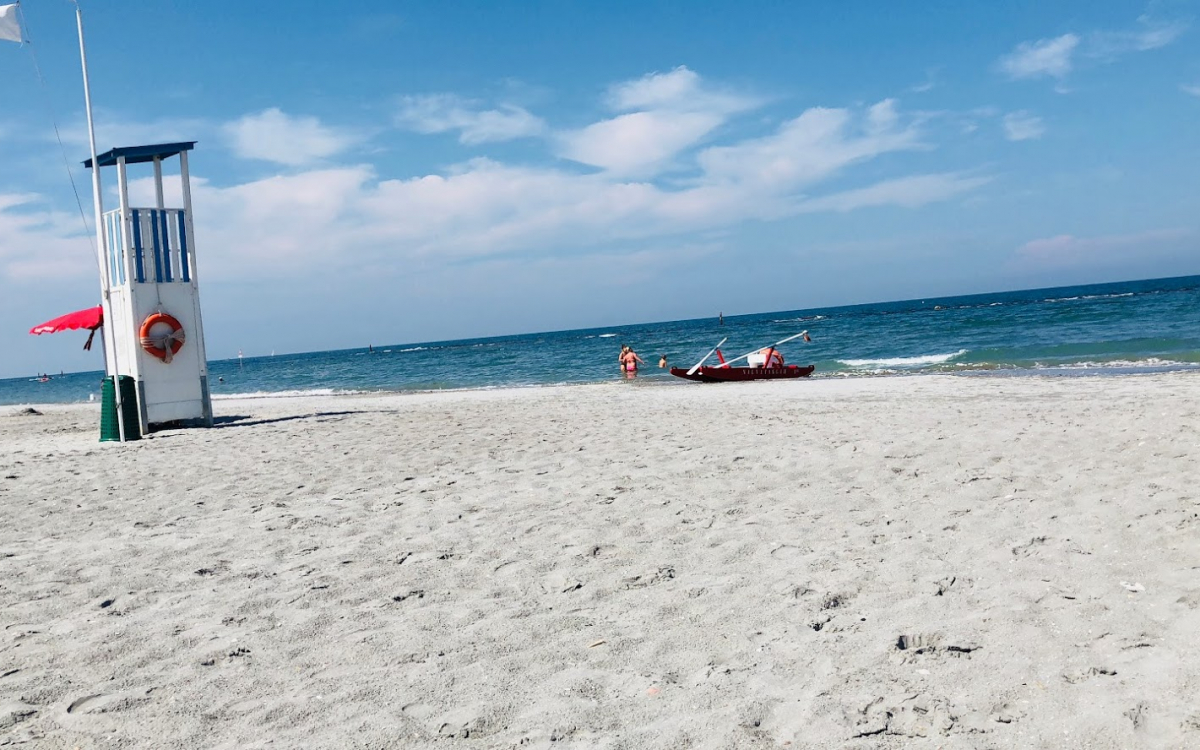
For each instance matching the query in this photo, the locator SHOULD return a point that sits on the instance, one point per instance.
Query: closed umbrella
(91, 319)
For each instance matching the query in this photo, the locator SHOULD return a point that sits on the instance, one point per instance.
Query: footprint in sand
(1076, 676)
(19, 631)
(102, 703)
(914, 715)
(560, 583)
(12, 714)
(460, 723)
(509, 568)
(933, 643)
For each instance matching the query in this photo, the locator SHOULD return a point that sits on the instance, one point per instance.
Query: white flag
(10, 30)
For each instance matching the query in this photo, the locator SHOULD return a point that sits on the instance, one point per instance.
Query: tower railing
(154, 246)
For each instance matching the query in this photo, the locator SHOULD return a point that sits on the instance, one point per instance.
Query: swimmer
(662, 361)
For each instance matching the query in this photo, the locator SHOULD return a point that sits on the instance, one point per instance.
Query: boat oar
(747, 354)
(706, 356)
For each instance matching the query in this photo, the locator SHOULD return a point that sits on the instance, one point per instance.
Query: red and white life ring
(162, 343)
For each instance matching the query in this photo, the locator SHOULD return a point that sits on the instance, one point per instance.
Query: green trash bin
(109, 432)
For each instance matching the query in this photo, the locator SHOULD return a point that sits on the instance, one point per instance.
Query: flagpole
(110, 343)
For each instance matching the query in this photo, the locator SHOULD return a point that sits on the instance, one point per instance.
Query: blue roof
(140, 154)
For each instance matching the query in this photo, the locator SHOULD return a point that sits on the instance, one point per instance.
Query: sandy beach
(958, 562)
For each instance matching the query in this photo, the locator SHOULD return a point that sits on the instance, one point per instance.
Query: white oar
(727, 362)
(706, 356)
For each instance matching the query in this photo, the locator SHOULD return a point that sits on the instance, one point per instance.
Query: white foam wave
(1116, 364)
(607, 336)
(804, 318)
(929, 359)
(413, 349)
(1088, 296)
(288, 394)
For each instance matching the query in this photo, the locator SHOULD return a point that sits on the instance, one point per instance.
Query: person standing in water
(631, 361)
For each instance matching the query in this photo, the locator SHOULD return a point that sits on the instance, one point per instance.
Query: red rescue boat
(725, 374)
(764, 364)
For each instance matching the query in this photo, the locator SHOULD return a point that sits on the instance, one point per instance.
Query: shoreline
(658, 381)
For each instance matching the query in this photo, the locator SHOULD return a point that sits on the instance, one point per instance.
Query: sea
(1115, 329)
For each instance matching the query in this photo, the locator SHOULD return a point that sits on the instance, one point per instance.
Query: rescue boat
(761, 364)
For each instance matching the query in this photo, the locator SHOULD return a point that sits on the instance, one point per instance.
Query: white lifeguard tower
(154, 301)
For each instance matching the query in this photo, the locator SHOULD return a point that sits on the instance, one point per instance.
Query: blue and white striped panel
(167, 255)
(139, 253)
(157, 246)
(185, 264)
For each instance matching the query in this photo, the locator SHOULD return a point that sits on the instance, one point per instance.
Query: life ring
(162, 345)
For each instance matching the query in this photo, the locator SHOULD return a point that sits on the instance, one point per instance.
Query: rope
(62, 150)
(164, 342)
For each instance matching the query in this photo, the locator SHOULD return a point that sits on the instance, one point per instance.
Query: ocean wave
(1116, 364)
(607, 335)
(1088, 296)
(413, 349)
(299, 393)
(804, 318)
(928, 359)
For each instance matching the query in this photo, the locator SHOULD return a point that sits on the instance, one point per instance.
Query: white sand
(616, 566)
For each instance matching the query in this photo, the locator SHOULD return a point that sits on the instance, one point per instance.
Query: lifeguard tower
(154, 300)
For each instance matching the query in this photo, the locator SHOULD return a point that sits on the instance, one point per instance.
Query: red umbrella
(91, 319)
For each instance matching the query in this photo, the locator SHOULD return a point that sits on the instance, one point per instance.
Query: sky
(385, 172)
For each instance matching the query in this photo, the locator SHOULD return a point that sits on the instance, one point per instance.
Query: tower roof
(140, 154)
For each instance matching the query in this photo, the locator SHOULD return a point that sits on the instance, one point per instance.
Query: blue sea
(1101, 329)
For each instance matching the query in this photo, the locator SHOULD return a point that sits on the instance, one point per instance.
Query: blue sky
(390, 172)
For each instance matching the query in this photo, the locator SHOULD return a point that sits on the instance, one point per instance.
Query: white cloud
(681, 90)
(809, 148)
(1023, 126)
(347, 218)
(1151, 35)
(1045, 57)
(272, 135)
(639, 142)
(929, 84)
(440, 113)
(1068, 251)
(342, 218)
(1055, 57)
(39, 242)
(114, 131)
(673, 112)
(906, 192)
(1193, 90)
(969, 122)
